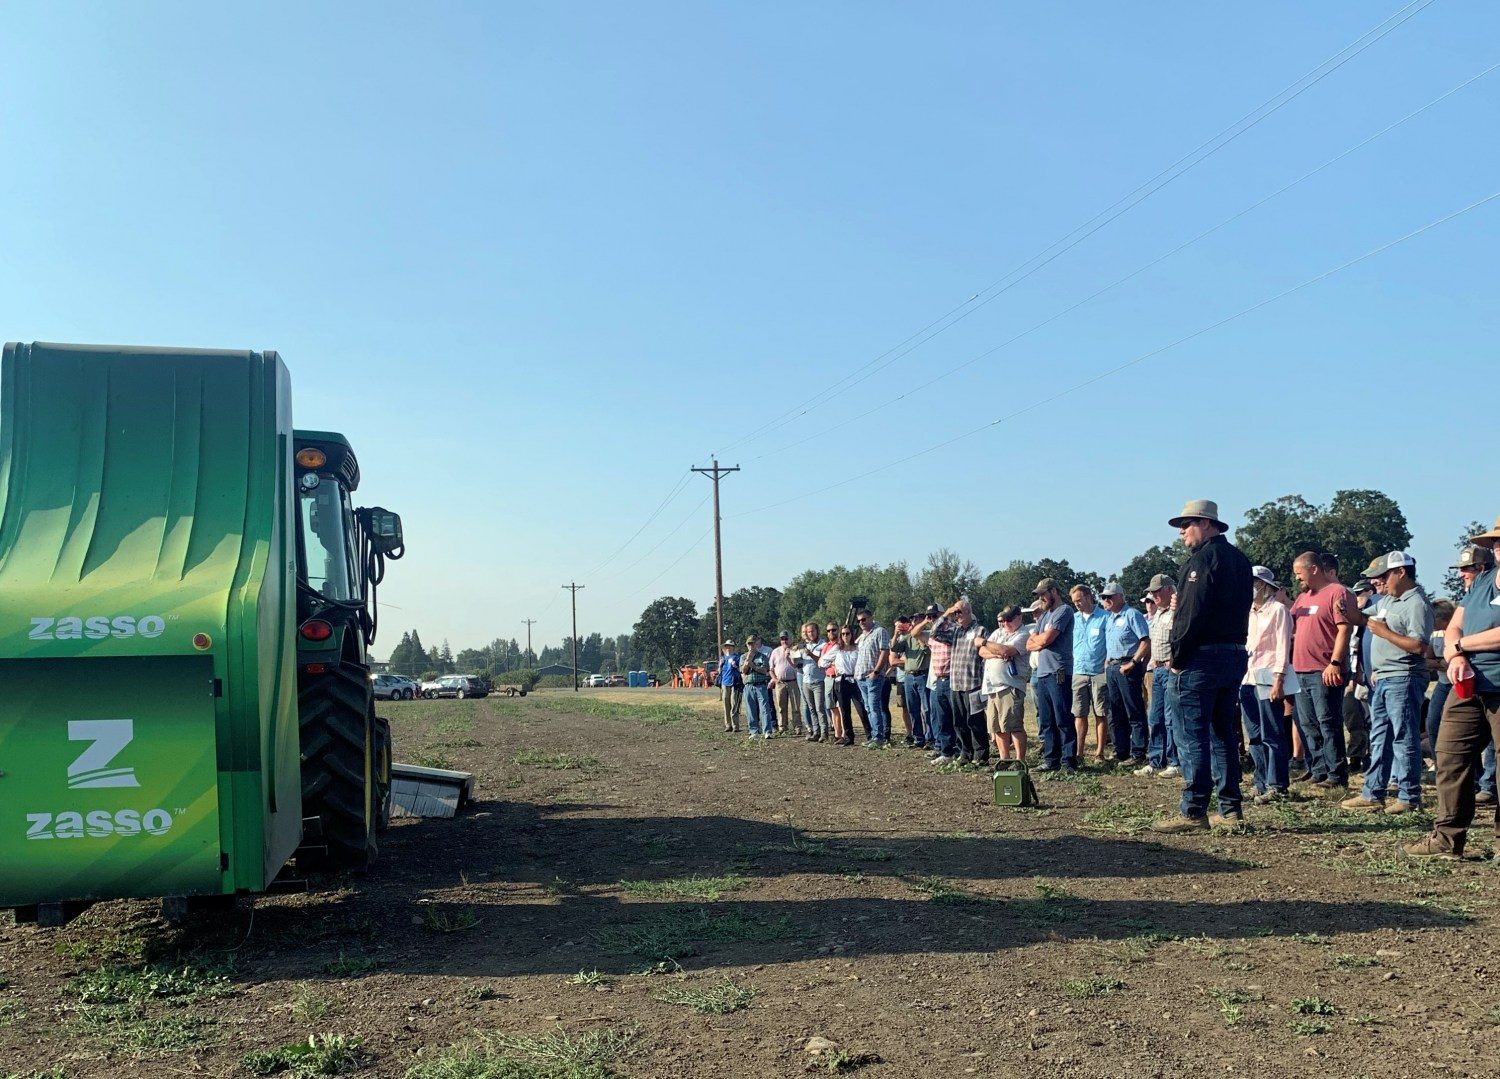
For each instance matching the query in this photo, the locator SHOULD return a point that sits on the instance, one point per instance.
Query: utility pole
(716, 473)
(574, 589)
(529, 623)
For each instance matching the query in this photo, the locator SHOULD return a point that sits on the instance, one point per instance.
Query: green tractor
(186, 608)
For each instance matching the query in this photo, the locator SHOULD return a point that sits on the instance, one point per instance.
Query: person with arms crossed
(1006, 675)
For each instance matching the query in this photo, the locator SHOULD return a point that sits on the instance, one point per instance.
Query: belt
(1221, 647)
(1114, 662)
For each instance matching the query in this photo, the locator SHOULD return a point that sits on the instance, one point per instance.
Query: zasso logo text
(96, 627)
(94, 768)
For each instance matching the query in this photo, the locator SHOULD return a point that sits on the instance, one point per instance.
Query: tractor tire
(339, 777)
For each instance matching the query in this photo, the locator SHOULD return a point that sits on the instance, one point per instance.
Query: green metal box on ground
(148, 724)
(1013, 786)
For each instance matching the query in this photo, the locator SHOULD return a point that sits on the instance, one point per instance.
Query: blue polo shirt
(729, 670)
(1088, 641)
(1124, 632)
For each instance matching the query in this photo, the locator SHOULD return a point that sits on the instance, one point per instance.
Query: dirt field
(640, 894)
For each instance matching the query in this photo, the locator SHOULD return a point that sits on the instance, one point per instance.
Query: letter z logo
(92, 768)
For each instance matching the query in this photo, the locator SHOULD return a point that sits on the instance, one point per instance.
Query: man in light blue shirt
(1090, 687)
(1127, 641)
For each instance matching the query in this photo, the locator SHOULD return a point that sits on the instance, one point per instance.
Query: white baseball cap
(1394, 560)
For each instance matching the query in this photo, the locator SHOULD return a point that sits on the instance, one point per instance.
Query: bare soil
(862, 897)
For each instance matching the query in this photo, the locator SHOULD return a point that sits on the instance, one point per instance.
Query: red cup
(1463, 689)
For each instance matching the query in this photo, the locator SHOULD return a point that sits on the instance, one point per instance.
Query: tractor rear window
(323, 531)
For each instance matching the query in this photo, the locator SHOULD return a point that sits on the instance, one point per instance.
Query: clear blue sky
(537, 260)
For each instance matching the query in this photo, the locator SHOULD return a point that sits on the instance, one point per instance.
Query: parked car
(617, 679)
(455, 685)
(392, 687)
(597, 680)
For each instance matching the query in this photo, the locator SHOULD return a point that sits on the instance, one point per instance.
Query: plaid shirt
(966, 667)
(1161, 637)
(872, 642)
(942, 656)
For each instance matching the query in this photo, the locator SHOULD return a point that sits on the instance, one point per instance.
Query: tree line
(596, 653)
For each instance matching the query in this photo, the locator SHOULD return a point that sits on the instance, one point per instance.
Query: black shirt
(1213, 600)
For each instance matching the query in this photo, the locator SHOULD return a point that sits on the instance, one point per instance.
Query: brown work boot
(1396, 808)
(1230, 820)
(1360, 804)
(1179, 824)
(1432, 845)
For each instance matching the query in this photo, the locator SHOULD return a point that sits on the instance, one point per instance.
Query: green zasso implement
(186, 607)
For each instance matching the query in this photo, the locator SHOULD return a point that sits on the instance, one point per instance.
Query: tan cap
(1475, 558)
(1160, 581)
(1046, 584)
(1376, 568)
(1487, 539)
(1198, 507)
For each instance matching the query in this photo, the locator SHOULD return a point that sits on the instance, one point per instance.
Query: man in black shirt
(1209, 658)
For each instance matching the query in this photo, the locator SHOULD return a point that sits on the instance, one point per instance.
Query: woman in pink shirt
(1269, 639)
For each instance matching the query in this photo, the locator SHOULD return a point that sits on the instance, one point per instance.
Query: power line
(824, 429)
(1189, 161)
(1138, 359)
(673, 564)
(673, 493)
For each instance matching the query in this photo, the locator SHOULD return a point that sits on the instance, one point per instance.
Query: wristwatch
(1458, 646)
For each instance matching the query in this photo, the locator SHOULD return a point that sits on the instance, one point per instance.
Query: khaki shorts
(1006, 711)
(1090, 695)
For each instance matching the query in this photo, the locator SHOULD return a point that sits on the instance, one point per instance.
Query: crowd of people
(1218, 668)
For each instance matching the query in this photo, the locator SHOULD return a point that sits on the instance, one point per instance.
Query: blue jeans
(1396, 739)
(1208, 691)
(1440, 693)
(1267, 737)
(1055, 720)
(1320, 718)
(872, 692)
(914, 693)
(1127, 712)
(940, 719)
(1161, 748)
(758, 706)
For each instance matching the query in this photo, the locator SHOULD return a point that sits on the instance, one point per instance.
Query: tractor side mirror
(384, 529)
